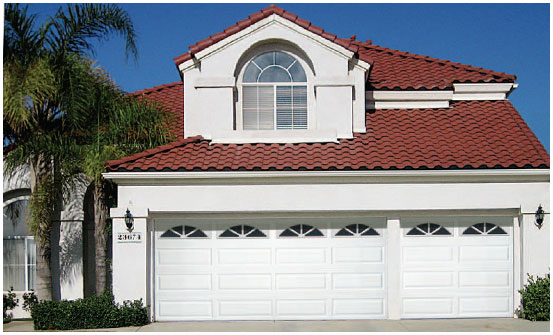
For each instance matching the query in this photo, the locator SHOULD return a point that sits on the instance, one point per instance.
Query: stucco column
(130, 261)
(535, 245)
(394, 258)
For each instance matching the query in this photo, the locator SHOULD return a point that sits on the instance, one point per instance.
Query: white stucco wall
(389, 199)
(208, 97)
(67, 246)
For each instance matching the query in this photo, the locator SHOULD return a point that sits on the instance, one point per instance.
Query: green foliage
(10, 301)
(535, 299)
(89, 313)
(29, 300)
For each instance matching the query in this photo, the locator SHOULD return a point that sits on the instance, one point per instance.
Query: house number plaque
(127, 237)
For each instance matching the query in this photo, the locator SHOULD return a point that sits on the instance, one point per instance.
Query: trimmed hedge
(91, 312)
(535, 299)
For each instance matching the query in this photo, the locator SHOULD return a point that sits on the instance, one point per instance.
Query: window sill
(275, 136)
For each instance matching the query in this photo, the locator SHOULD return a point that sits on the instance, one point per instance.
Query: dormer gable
(221, 105)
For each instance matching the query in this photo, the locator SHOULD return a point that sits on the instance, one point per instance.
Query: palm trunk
(100, 236)
(42, 227)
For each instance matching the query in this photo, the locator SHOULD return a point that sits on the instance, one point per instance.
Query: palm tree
(125, 125)
(47, 85)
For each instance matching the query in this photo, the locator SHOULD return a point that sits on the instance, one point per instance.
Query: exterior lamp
(129, 221)
(540, 214)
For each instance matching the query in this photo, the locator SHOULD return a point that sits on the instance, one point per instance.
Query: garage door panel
(484, 253)
(186, 309)
(414, 307)
(298, 308)
(423, 254)
(246, 308)
(301, 255)
(358, 308)
(358, 255)
(184, 256)
(301, 281)
(478, 304)
(353, 281)
(244, 256)
(245, 282)
(428, 279)
(485, 279)
(184, 282)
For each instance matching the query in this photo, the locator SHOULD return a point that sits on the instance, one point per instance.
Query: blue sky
(511, 38)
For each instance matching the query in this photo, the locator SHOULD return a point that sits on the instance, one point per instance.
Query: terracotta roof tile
(391, 69)
(471, 134)
(171, 97)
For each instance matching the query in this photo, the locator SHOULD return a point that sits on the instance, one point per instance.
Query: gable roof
(171, 97)
(471, 134)
(390, 69)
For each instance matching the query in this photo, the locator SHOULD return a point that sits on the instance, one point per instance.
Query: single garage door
(460, 267)
(270, 269)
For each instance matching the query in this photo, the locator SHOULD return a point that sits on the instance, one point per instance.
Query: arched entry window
(274, 93)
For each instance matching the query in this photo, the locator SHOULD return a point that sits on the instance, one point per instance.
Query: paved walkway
(437, 325)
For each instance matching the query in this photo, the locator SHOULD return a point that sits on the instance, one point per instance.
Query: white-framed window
(19, 247)
(274, 93)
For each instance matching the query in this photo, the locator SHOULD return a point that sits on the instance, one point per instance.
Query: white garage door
(270, 269)
(457, 267)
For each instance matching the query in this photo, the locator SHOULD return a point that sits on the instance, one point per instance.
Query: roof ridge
(436, 60)
(112, 164)
(155, 88)
(346, 43)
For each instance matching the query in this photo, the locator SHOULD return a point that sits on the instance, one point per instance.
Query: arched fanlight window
(428, 229)
(274, 93)
(357, 229)
(242, 231)
(484, 228)
(184, 232)
(301, 230)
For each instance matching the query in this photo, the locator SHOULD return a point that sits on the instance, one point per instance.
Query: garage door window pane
(428, 229)
(484, 228)
(301, 230)
(242, 231)
(357, 230)
(184, 232)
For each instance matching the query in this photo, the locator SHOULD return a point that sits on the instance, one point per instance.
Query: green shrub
(535, 299)
(29, 300)
(91, 312)
(10, 301)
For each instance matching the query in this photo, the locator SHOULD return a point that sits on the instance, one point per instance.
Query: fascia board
(273, 18)
(479, 96)
(431, 176)
(483, 88)
(371, 104)
(408, 95)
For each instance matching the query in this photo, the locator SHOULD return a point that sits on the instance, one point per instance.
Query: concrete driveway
(434, 325)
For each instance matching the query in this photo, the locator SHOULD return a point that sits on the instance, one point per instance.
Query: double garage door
(328, 268)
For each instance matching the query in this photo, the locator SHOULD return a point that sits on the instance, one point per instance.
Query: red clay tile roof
(472, 134)
(171, 97)
(391, 69)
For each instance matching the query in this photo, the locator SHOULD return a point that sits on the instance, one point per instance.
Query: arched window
(484, 228)
(274, 93)
(428, 229)
(19, 246)
(357, 230)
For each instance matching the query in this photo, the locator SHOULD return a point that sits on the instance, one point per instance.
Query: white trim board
(438, 99)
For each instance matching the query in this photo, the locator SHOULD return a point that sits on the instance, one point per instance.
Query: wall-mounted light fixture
(540, 214)
(129, 221)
